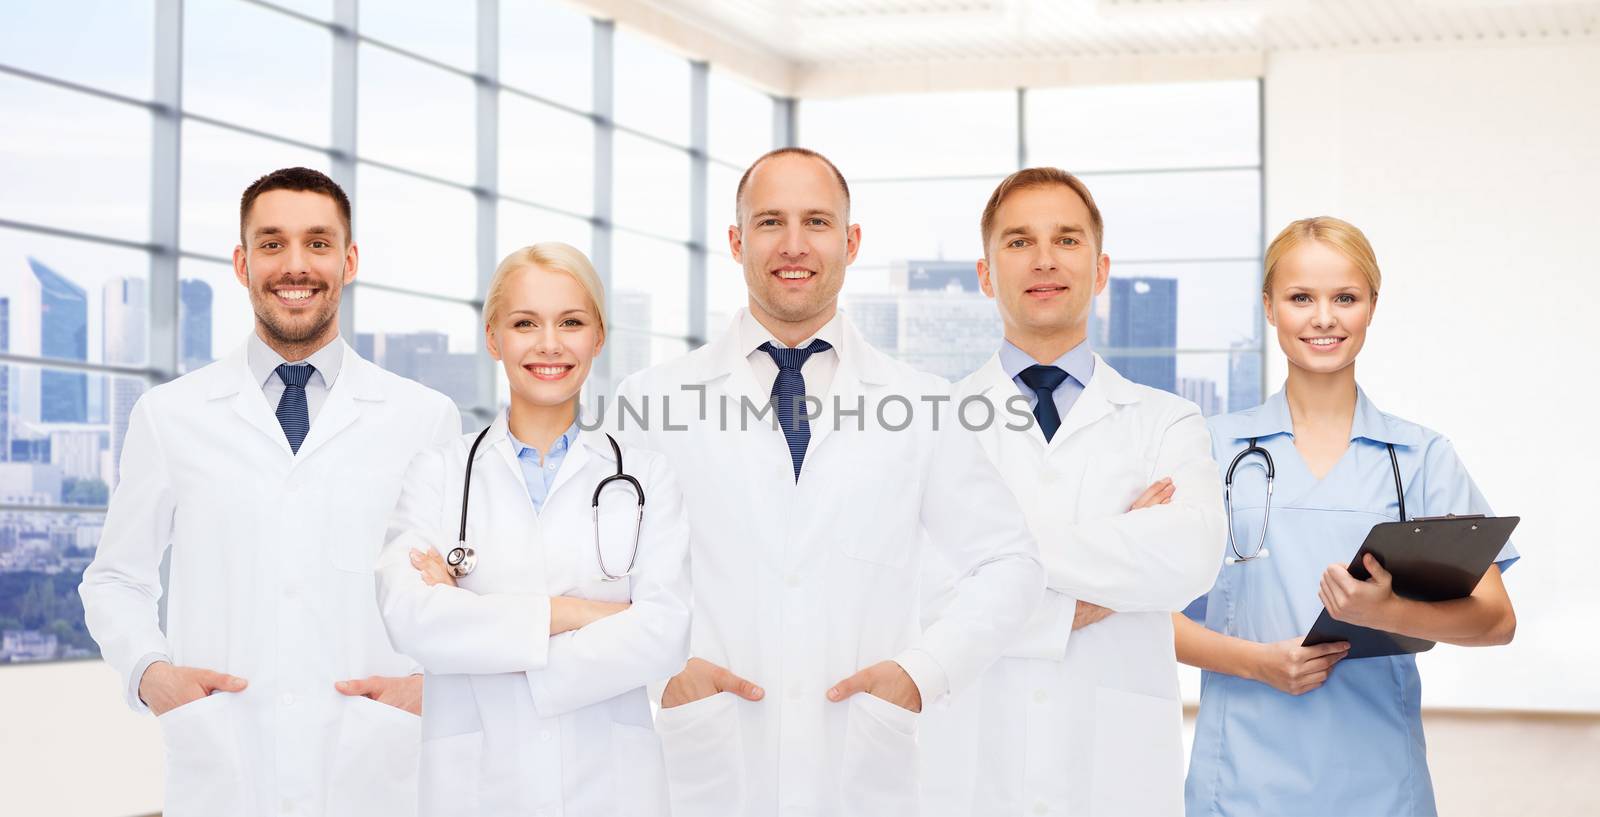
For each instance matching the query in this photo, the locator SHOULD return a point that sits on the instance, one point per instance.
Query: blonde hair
(549, 255)
(1339, 234)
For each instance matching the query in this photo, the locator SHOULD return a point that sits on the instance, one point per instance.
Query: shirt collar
(1272, 417)
(1077, 362)
(264, 362)
(560, 446)
(752, 334)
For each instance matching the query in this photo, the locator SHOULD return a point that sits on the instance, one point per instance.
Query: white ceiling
(789, 43)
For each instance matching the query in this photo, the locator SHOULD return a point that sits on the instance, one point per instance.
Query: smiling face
(794, 243)
(296, 260)
(1041, 264)
(546, 333)
(1321, 305)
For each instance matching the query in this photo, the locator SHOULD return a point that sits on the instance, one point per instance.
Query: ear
(352, 260)
(1374, 311)
(1102, 273)
(241, 265)
(852, 243)
(490, 342)
(735, 243)
(985, 277)
(1266, 309)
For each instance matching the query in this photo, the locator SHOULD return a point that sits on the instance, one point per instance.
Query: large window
(1175, 170)
(133, 127)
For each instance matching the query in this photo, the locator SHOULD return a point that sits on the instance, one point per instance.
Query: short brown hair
(299, 180)
(1032, 177)
(738, 195)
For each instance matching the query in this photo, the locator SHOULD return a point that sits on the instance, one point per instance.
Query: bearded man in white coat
(270, 475)
(1081, 716)
(810, 663)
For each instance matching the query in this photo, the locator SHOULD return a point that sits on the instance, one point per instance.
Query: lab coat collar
(1272, 417)
(726, 359)
(1106, 388)
(591, 444)
(359, 381)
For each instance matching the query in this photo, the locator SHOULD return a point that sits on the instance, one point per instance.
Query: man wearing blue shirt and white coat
(1081, 716)
(270, 474)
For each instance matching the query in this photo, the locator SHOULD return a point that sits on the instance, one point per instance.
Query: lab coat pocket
(639, 775)
(204, 774)
(878, 767)
(449, 779)
(703, 747)
(1138, 755)
(374, 769)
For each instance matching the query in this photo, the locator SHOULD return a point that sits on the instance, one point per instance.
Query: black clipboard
(1434, 558)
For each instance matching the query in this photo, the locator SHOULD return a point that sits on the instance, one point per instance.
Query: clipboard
(1435, 558)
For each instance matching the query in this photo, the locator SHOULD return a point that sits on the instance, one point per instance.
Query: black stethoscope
(1227, 498)
(462, 559)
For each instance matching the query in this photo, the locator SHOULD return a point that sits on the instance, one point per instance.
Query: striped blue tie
(292, 413)
(787, 392)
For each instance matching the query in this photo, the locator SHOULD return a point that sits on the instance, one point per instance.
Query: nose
(1043, 259)
(546, 341)
(1324, 319)
(793, 246)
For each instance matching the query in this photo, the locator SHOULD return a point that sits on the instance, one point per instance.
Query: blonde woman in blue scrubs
(1285, 729)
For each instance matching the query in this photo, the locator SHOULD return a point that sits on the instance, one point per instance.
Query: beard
(295, 329)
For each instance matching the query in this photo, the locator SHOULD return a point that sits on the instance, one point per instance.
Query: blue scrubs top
(1353, 746)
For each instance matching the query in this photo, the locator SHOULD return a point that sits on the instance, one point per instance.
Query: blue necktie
(292, 413)
(1044, 380)
(787, 392)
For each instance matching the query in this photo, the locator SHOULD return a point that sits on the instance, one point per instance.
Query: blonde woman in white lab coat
(534, 700)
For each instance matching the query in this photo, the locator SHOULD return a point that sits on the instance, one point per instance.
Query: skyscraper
(194, 322)
(1244, 375)
(124, 337)
(1144, 315)
(63, 333)
(5, 381)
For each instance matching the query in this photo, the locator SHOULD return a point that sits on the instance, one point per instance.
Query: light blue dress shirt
(539, 477)
(1353, 745)
(1078, 363)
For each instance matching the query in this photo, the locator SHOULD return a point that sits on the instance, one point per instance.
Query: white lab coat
(1088, 722)
(800, 585)
(271, 580)
(516, 722)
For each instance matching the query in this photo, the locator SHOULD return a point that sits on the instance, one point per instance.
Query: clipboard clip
(1446, 516)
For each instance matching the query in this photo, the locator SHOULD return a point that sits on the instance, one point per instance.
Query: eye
(1069, 241)
(572, 322)
(1017, 243)
(319, 244)
(271, 245)
(522, 323)
(767, 222)
(1345, 298)
(817, 222)
(1300, 298)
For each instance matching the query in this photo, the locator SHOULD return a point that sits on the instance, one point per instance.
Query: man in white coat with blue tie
(810, 660)
(1081, 716)
(269, 475)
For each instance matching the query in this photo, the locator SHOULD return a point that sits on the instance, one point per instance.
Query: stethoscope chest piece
(461, 560)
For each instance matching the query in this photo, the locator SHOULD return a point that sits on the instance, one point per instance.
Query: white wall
(1476, 174)
(71, 747)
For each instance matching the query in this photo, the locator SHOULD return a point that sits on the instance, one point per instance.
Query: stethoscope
(1227, 498)
(462, 559)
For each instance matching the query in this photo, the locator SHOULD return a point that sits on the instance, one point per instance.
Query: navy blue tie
(1044, 380)
(787, 392)
(292, 413)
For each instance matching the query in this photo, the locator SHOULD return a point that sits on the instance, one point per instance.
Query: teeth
(549, 371)
(294, 294)
(1323, 341)
(794, 273)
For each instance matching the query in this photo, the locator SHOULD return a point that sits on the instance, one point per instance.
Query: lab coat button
(1039, 697)
(287, 698)
(1040, 807)
(545, 735)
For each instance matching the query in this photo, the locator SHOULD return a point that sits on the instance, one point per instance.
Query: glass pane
(1216, 383)
(546, 154)
(415, 116)
(651, 191)
(72, 300)
(914, 135)
(649, 286)
(416, 234)
(521, 225)
(320, 9)
(632, 352)
(547, 50)
(1139, 127)
(652, 88)
(42, 557)
(722, 212)
(100, 43)
(740, 127)
(1203, 215)
(74, 161)
(949, 332)
(726, 293)
(218, 164)
(214, 313)
(447, 32)
(62, 432)
(1184, 306)
(430, 341)
(258, 68)
(902, 221)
